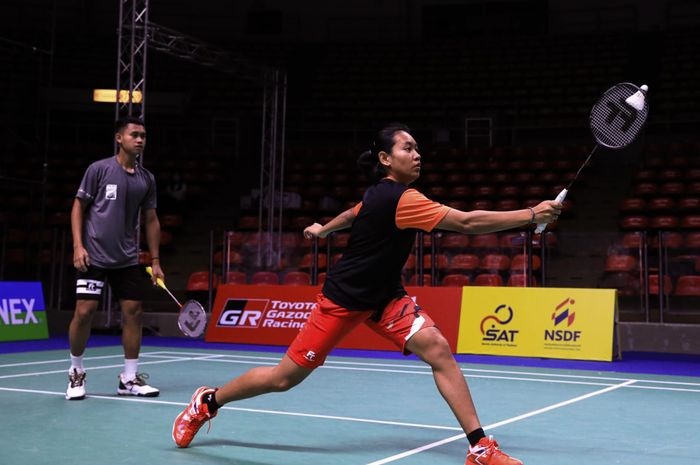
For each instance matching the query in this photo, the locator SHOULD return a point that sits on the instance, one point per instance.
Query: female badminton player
(365, 288)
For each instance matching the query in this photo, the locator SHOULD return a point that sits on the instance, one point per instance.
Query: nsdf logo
(563, 317)
(242, 313)
(493, 327)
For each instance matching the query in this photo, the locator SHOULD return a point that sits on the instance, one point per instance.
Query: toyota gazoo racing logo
(492, 326)
(264, 313)
(242, 313)
(563, 317)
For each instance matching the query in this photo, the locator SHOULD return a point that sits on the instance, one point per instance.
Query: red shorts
(329, 323)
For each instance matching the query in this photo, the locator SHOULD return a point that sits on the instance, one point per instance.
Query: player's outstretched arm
(485, 221)
(342, 221)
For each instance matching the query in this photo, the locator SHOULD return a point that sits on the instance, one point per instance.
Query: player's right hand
(81, 259)
(313, 231)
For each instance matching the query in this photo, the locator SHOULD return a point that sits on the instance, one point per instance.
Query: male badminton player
(105, 248)
(365, 288)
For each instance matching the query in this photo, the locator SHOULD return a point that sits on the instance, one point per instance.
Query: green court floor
(354, 411)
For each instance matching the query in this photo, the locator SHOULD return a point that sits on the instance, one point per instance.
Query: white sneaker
(76, 385)
(136, 386)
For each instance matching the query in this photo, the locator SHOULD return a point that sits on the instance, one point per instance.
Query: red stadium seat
(633, 204)
(454, 241)
(519, 263)
(661, 204)
(520, 280)
(654, 284)
(620, 263)
(688, 204)
(634, 223)
(236, 277)
(414, 280)
(455, 280)
(307, 261)
(688, 285)
(199, 281)
(340, 240)
(495, 263)
(632, 240)
(264, 277)
(484, 241)
(664, 222)
(488, 280)
(297, 278)
(465, 262)
(690, 222)
(440, 261)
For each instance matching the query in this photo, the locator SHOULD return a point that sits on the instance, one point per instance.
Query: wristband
(155, 258)
(532, 215)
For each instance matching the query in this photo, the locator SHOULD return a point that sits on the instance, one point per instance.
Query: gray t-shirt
(113, 198)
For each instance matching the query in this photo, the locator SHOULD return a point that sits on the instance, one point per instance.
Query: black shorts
(130, 283)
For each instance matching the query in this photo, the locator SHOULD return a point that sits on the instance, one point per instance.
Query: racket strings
(615, 123)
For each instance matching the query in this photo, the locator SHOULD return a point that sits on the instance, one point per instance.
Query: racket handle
(159, 281)
(560, 198)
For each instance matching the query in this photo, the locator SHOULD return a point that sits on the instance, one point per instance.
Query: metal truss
(136, 35)
(131, 58)
(271, 203)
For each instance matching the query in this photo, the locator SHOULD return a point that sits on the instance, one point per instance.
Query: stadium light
(110, 96)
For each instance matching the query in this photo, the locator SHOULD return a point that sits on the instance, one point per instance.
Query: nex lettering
(11, 311)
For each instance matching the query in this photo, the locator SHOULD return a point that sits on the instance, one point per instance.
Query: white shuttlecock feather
(636, 100)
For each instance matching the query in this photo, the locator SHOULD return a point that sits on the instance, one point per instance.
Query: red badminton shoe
(192, 418)
(487, 452)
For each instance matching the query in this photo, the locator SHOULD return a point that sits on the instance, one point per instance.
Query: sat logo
(492, 325)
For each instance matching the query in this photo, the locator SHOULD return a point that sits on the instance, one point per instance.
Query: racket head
(614, 123)
(192, 319)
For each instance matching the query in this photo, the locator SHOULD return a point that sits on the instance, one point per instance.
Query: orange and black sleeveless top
(368, 276)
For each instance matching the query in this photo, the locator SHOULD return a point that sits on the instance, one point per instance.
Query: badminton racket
(616, 119)
(192, 319)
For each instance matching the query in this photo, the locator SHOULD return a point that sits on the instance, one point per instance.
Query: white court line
(475, 370)
(241, 409)
(103, 367)
(273, 361)
(101, 357)
(432, 445)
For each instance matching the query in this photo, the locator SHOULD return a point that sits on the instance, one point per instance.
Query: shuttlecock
(636, 100)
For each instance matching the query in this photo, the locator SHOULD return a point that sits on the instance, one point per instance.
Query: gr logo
(242, 313)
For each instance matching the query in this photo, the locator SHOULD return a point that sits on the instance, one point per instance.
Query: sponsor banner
(22, 312)
(538, 322)
(273, 315)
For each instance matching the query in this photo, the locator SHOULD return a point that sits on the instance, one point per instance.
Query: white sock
(76, 363)
(131, 365)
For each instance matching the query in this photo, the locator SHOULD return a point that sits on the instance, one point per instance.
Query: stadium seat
(236, 277)
(620, 263)
(688, 285)
(488, 280)
(199, 281)
(484, 242)
(495, 263)
(633, 205)
(464, 262)
(519, 263)
(440, 261)
(520, 280)
(307, 261)
(414, 280)
(663, 222)
(454, 241)
(654, 284)
(297, 278)
(634, 223)
(455, 280)
(264, 277)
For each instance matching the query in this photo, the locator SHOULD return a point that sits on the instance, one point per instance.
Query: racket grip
(159, 281)
(560, 198)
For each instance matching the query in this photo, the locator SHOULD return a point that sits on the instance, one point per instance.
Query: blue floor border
(632, 362)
